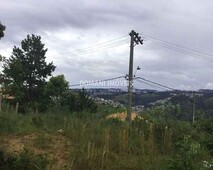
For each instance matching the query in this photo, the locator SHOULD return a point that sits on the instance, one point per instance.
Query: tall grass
(96, 143)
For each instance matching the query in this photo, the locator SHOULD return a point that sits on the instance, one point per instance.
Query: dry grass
(122, 116)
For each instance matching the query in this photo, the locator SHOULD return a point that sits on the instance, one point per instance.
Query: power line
(156, 41)
(158, 84)
(98, 81)
(100, 46)
(96, 50)
(105, 47)
(149, 84)
(179, 48)
(182, 51)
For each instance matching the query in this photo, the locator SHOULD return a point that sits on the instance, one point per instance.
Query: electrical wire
(149, 84)
(158, 84)
(179, 48)
(98, 81)
(182, 51)
(100, 46)
(94, 51)
(91, 49)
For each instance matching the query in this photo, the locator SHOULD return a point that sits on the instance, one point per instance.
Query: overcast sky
(88, 40)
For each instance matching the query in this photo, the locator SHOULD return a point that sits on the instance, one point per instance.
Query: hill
(203, 100)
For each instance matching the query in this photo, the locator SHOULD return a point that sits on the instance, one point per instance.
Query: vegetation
(92, 142)
(183, 99)
(56, 87)
(2, 29)
(25, 76)
(26, 71)
(25, 159)
(59, 129)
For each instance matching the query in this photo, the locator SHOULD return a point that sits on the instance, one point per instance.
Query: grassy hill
(64, 140)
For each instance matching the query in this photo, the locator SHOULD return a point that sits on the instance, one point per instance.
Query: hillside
(147, 98)
(78, 141)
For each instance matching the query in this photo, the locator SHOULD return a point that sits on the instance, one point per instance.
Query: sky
(89, 40)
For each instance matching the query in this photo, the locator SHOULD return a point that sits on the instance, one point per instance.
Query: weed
(25, 160)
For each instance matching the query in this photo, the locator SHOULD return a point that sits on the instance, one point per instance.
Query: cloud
(69, 25)
(209, 85)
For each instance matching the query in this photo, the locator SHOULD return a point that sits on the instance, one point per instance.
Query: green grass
(96, 143)
(26, 159)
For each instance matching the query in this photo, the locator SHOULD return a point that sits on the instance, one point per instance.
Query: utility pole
(193, 117)
(135, 39)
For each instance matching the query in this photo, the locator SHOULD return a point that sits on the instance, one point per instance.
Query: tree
(69, 101)
(84, 102)
(2, 60)
(78, 102)
(2, 29)
(26, 70)
(56, 87)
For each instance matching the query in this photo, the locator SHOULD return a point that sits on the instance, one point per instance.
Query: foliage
(78, 102)
(26, 70)
(69, 101)
(97, 143)
(162, 113)
(203, 102)
(84, 102)
(56, 87)
(8, 123)
(189, 155)
(203, 133)
(203, 106)
(25, 160)
(104, 110)
(2, 29)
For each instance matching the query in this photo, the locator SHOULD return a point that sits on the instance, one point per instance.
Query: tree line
(25, 75)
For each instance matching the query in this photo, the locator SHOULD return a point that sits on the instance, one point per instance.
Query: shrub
(24, 160)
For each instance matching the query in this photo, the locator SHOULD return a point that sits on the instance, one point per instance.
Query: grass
(43, 142)
(26, 159)
(89, 141)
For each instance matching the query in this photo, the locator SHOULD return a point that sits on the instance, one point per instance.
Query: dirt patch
(122, 116)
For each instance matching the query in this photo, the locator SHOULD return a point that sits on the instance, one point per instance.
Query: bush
(24, 160)
(189, 155)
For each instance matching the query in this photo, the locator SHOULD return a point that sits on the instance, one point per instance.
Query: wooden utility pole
(135, 39)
